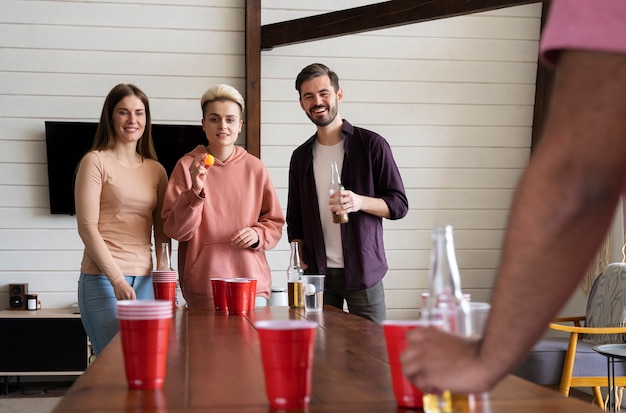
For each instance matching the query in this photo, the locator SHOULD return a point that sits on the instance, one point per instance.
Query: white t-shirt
(322, 157)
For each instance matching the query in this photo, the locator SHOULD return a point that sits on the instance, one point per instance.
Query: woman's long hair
(105, 134)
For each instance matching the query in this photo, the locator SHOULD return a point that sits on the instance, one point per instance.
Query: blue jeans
(367, 303)
(97, 303)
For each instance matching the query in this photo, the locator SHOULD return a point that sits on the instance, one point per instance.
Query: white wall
(453, 97)
(58, 60)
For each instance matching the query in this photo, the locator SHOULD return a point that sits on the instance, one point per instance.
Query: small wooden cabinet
(42, 342)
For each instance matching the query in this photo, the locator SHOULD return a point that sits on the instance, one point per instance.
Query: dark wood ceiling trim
(253, 77)
(372, 17)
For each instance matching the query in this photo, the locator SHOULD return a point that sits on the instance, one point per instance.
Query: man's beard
(332, 114)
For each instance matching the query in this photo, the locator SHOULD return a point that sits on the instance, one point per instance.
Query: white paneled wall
(453, 97)
(58, 60)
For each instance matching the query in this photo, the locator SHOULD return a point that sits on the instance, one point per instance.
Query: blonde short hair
(222, 92)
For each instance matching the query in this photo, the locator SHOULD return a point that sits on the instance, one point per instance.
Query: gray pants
(367, 303)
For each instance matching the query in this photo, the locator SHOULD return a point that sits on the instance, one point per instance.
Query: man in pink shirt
(562, 208)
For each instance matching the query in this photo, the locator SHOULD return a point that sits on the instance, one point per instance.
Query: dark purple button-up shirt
(368, 169)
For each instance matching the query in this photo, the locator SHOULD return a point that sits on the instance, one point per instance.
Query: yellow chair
(568, 379)
(569, 362)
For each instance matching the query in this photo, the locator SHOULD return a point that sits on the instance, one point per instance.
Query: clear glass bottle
(295, 294)
(164, 263)
(335, 186)
(447, 305)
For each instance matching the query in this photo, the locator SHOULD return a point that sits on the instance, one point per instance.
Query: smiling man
(351, 255)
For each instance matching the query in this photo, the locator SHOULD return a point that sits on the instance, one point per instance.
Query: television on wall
(67, 142)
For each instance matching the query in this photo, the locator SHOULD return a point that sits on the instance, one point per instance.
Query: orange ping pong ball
(209, 159)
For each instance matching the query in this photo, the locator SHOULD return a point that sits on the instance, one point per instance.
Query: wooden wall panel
(454, 98)
(404, 70)
(122, 64)
(288, 135)
(59, 60)
(197, 15)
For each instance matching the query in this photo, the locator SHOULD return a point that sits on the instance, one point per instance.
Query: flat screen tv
(67, 142)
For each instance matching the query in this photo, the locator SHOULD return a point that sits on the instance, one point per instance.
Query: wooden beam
(373, 17)
(253, 77)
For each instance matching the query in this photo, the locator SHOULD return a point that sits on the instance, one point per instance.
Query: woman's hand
(198, 170)
(244, 238)
(123, 290)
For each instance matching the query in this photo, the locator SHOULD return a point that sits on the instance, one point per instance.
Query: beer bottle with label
(335, 186)
(295, 294)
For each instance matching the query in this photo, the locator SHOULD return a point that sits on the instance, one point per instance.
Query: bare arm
(561, 211)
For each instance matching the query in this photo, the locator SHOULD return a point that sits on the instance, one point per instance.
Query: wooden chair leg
(568, 365)
(598, 398)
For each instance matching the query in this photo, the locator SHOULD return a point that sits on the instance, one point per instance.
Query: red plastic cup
(238, 295)
(287, 355)
(144, 330)
(252, 299)
(407, 395)
(164, 286)
(165, 291)
(218, 285)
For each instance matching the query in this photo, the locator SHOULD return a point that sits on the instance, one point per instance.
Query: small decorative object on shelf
(31, 302)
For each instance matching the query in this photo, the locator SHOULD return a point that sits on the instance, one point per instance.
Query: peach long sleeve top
(118, 210)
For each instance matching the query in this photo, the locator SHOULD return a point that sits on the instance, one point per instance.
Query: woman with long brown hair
(119, 195)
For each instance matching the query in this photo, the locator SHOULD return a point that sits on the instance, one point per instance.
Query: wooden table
(214, 366)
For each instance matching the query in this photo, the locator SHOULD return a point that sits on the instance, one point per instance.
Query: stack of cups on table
(144, 330)
(235, 296)
(164, 285)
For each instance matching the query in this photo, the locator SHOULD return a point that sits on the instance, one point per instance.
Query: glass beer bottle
(446, 305)
(295, 294)
(335, 186)
(164, 264)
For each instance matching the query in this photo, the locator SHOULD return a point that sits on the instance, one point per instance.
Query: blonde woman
(226, 215)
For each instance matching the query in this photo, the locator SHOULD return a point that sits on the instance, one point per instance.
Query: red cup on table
(238, 295)
(164, 286)
(144, 330)
(407, 395)
(252, 298)
(287, 356)
(218, 286)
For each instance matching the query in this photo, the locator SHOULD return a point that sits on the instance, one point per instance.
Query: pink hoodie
(238, 194)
